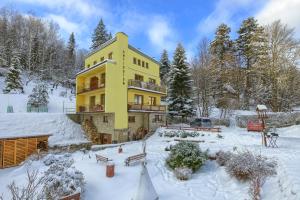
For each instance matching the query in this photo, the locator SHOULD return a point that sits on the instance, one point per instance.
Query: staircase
(91, 131)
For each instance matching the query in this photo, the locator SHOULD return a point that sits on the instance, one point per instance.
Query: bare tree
(30, 191)
(202, 78)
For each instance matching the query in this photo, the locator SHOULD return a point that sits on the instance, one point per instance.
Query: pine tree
(221, 49)
(39, 95)
(180, 89)
(251, 46)
(164, 66)
(71, 56)
(35, 60)
(13, 80)
(100, 35)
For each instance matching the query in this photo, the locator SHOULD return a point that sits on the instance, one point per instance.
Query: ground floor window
(131, 119)
(105, 119)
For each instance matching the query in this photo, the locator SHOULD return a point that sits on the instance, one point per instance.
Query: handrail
(88, 108)
(147, 86)
(88, 89)
(134, 106)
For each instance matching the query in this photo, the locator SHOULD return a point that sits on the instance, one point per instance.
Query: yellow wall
(118, 71)
(145, 95)
(151, 72)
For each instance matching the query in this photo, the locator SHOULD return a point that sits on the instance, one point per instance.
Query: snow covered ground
(19, 101)
(210, 182)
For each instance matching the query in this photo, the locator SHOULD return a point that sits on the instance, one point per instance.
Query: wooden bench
(100, 158)
(186, 128)
(134, 158)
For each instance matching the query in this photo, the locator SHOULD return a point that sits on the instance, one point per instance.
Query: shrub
(183, 173)
(246, 166)
(186, 154)
(222, 157)
(183, 134)
(61, 179)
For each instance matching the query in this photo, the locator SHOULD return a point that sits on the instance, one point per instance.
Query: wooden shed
(14, 150)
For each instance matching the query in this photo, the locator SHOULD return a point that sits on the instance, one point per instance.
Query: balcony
(81, 90)
(141, 107)
(146, 86)
(88, 108)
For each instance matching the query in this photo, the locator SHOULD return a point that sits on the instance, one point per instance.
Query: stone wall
(102, 127)
(275, 120)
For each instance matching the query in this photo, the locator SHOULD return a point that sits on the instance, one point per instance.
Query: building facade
(118, 94)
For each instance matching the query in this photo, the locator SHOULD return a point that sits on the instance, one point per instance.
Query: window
(102, 59)
(152, 81)
(143, 64)
(110, 55)
(152, 101)
(102, 80)
(139, 62)
(105, 119)
(138, 77)
(158, 118)
(94, 83)
(138, 99)
(131, 119)
(102, 99)
(88, 65)
(147, 65)
(95, 62)
(134, 60)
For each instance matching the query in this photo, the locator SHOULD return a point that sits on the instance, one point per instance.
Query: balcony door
(152, 101)
(138, 99)
(92, 102)
(94, 83)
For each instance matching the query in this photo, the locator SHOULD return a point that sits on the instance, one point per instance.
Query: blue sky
(153, 25)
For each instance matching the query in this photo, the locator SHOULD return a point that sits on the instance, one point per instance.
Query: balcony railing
(88, 89)
(88, 108)
(141, 107)
(147, 86)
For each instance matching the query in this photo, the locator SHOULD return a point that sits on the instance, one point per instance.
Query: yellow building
(119, 92)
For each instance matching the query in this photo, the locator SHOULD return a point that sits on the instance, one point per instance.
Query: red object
(110, 170)
(71, 197)
(120, 150)
(255, 126)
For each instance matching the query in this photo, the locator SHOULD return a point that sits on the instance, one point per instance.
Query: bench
(100, 158)
(134, 158)
(255, 126)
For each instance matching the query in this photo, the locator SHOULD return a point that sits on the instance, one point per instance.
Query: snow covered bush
(246, 166)
(39, 95)
(186, 154)
(183, 134)
(62, 179)
(222, 157)
(183, 173)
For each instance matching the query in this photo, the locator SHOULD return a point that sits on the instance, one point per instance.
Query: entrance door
(106, 138)
(1, 154)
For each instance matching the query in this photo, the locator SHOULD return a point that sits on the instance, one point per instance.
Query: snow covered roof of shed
(261, 107)
(4, 136)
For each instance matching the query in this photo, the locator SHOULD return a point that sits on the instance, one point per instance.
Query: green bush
(186, 154)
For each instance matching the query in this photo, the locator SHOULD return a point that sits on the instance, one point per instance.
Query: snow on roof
(146, 189)
(63, 131)
(14, 136)
(261, 107)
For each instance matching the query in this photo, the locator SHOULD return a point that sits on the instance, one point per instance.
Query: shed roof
(12, 136)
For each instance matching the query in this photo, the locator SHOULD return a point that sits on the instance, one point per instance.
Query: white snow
(261, 107)
(210, 182)
(64, 131)
(19, 101)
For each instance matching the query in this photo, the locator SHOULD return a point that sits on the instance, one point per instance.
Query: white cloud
(288, 11)
(161, 34)
(64, 24)
(224, 12)
(81, 7)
